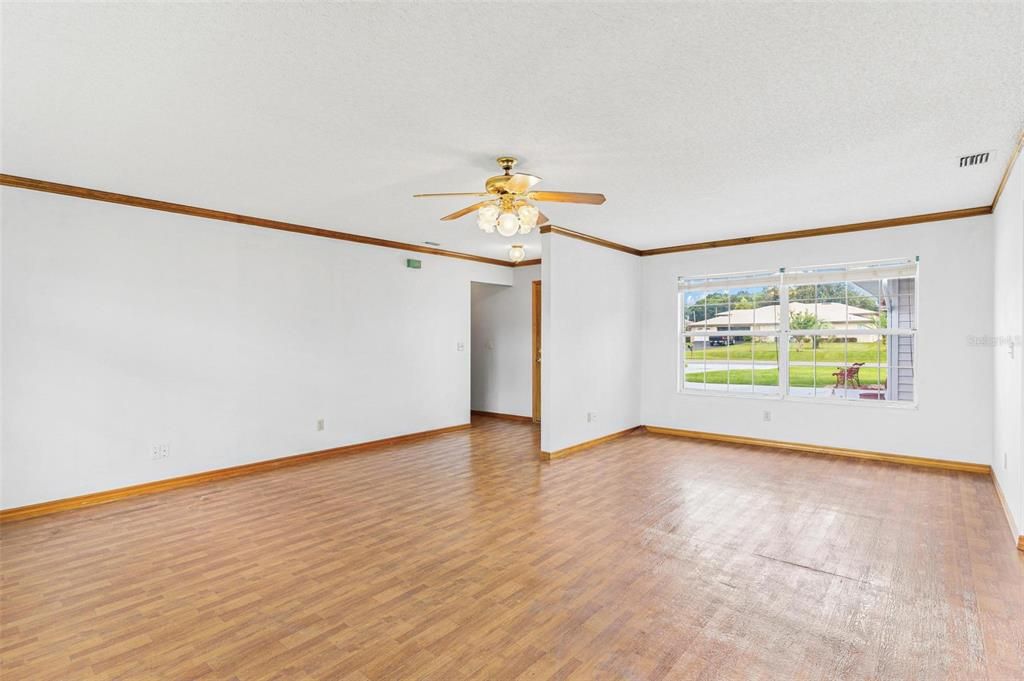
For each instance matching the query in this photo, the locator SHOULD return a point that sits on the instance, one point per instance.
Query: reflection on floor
(463, 556)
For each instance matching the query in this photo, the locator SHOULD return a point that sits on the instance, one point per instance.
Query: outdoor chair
(847, 376)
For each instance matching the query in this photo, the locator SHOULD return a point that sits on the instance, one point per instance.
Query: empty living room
(374, 341)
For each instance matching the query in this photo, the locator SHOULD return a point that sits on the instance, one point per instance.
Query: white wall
(1008, 453)
(124, 328)
(502, 345)
(591, 342)
(954, 415)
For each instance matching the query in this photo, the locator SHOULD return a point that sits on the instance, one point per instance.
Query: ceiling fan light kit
(516, 252)
(518, 217)
(528, 216)
(487, 217)
(508, 210)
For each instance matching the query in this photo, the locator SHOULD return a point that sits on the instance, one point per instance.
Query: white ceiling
(697, 121)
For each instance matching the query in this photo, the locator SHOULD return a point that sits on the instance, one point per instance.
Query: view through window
(837, 332)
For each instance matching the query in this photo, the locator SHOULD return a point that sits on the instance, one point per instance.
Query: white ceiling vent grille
(975, 159)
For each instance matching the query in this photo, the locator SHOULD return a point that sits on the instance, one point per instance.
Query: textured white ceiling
(697, 121)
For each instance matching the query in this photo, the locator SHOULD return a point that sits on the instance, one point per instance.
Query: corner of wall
(1008, 344)
(591, 339)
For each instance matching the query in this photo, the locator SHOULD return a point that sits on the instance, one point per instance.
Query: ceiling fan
(507, 208)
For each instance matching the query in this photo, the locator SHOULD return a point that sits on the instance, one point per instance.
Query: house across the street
(838, 316)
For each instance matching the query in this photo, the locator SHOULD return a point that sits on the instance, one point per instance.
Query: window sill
(857, 404)
(742, 396)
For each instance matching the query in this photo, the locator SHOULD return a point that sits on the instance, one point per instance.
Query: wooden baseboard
(95, 498)
(559, 453)
(498, 415)
(1014, 532)
(963, 466)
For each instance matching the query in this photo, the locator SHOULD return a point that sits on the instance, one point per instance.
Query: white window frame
(713, 282)
(784, 334)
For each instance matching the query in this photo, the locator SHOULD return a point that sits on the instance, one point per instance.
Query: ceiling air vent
(975, 159)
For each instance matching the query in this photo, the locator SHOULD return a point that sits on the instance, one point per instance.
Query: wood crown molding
(810, 232)
(96, 498)
(777, 236)
(153, 204)
(210, 214)
(559, 453)
(552, 229)
(963, 466)
(1009, 169)
(824, 231)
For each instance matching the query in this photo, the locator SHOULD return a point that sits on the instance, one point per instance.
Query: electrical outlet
(321, 424)
(160, 451)
(766, 416)
(591, 416)
(460, 346)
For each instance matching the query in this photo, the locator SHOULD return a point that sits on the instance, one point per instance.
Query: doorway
(503, 349)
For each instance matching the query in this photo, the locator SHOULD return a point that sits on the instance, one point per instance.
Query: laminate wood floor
(464, 557)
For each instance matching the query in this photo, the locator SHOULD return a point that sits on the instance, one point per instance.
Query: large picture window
(837, 332)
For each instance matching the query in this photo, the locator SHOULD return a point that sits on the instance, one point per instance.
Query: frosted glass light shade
(487, 218)
(508, 224)
(527, 218)
(516, 253)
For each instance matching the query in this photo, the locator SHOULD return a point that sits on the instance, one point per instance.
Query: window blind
(736, 280)
(866, 271)
(873, 271)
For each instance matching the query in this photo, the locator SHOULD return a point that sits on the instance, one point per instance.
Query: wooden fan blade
(419, 196)
(520, 182)
(567, 197)
(465, 211)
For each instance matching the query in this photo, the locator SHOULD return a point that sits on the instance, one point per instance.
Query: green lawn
(826, 352)
(799, 376)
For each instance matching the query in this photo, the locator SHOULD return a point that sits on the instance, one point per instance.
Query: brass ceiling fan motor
(511, 193)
